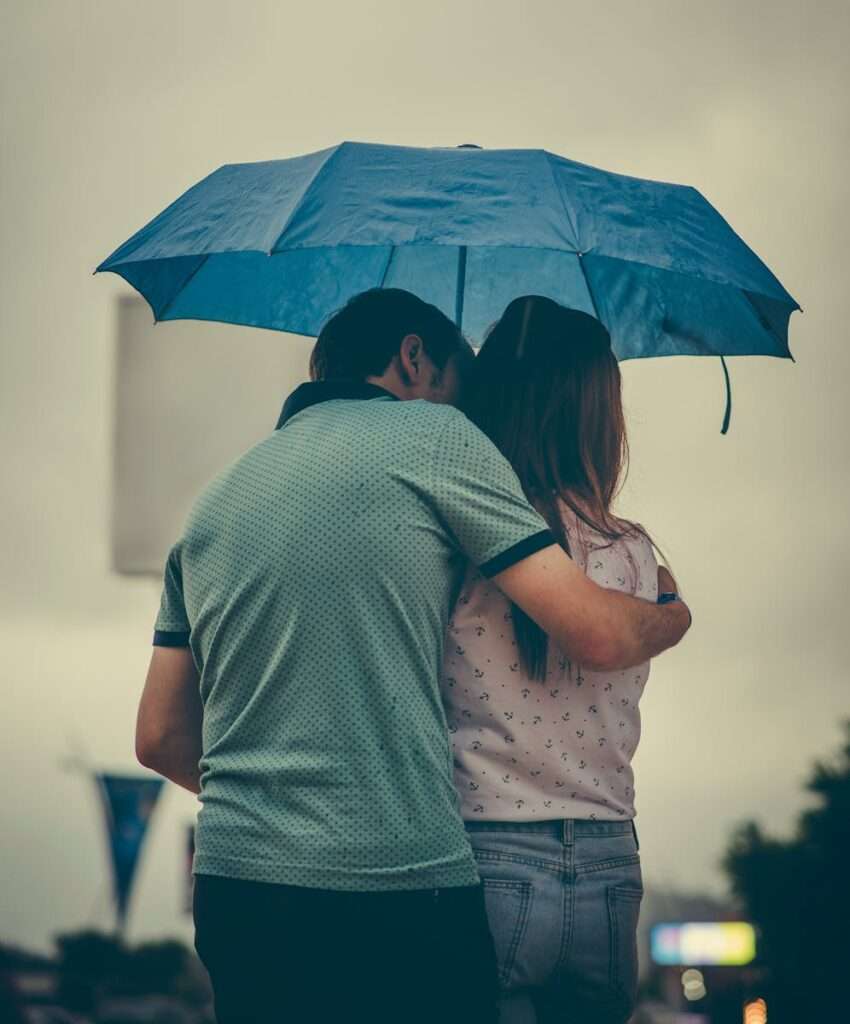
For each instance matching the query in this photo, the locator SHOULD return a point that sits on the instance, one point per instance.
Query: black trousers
(281, 954)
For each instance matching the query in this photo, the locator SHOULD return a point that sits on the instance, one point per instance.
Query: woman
(543, 746)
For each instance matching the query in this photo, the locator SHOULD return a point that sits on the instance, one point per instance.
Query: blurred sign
(190, 397)
(722, 943)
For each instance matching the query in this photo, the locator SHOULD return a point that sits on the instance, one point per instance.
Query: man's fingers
(666, 583)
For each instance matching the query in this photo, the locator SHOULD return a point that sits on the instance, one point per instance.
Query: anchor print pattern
(530, 750)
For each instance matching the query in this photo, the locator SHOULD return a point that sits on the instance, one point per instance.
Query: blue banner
(128, 803)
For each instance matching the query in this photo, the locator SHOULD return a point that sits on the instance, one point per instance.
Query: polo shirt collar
(326, 391)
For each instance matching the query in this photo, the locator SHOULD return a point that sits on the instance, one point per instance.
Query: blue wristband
(668, 597)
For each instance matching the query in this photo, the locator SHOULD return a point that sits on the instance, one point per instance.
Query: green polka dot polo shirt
(313, 583)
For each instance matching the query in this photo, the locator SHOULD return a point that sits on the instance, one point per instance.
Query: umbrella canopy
(284, 243)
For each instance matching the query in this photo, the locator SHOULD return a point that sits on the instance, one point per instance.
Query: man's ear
(410, 358)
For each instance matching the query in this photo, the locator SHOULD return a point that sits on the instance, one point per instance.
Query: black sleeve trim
(167, 638)
(530, 546)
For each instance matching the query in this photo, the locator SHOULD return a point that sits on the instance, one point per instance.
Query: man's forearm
(169, 725)
(596, 627)
(186, 777)
(177, 760)
(648, 629)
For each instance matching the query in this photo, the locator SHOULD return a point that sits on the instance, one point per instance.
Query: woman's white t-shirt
(526, 750)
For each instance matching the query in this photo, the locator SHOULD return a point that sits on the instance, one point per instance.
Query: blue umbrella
(284, 243)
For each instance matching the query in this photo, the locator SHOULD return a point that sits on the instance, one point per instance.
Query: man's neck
(389, 382)
(314, 392)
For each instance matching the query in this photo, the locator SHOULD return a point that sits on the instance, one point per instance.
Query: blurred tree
(156, 967)
(797, 892)
(167, 968)
(10, 1006)
(91, 963)
(95, 966)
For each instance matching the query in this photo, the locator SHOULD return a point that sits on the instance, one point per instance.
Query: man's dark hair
(363, 338)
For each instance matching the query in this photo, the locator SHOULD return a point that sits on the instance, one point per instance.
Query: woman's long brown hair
(546, 390)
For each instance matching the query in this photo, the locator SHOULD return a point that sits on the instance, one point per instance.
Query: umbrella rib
(387, 266)
(574, 226)
(765, 323)
(161, 313)
(560, 195)
(300, 200)
(587, 285)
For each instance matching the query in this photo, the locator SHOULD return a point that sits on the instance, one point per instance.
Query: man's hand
(601, 629)
(666, 582)
(168, 727)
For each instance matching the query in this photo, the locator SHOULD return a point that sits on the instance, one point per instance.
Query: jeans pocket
(508, 903)
(623, 913)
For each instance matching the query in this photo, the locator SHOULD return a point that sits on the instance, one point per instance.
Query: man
(300, 635)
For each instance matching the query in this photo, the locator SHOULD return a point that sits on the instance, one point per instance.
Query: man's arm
(168, 726)
(602, 629)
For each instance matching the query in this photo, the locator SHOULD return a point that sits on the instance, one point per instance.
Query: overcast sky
(110, 110)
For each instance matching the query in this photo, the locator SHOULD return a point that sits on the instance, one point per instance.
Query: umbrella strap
(728, 414)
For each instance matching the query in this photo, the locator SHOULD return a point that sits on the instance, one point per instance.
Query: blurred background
(111, 110)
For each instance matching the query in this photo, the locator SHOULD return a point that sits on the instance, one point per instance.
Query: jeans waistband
(562, 828)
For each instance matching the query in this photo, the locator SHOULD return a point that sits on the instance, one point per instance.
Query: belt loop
(568, 832)
(634, 833)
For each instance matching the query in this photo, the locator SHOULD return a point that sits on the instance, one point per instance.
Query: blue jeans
(563, 899)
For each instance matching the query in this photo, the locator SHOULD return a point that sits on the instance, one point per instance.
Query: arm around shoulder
(602, 629)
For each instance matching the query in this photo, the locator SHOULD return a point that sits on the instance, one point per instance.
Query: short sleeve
(172, 624)
(480, 500)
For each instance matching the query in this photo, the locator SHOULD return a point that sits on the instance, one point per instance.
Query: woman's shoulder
(629, 557)
(636, 538)
(638, 547)
(632, 533)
